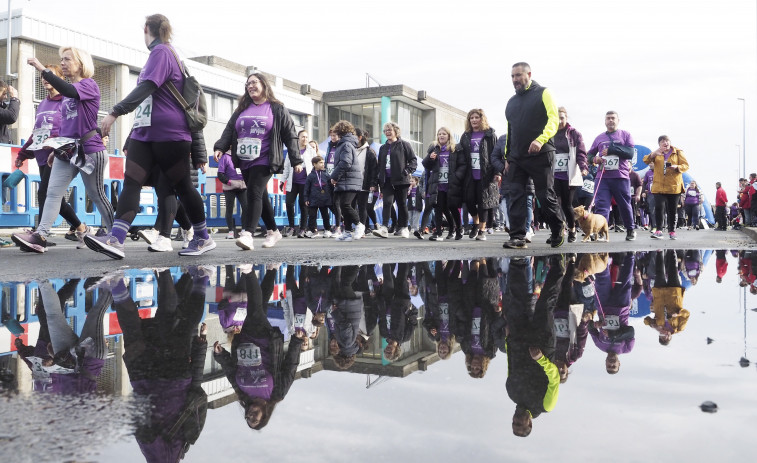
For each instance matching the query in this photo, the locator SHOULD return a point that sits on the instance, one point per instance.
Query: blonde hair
(450, 140)
(394, 127)
(86, 66)
(484, 120)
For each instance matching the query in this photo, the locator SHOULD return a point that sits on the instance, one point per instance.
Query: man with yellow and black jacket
(532, 121)
(533, 379)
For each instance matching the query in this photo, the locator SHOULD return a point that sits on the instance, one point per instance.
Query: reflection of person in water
(347, 311)
(257, 367)
(571, 321)
(692, 263)
(232, 309)
(369, 285)
(62, 362)
(439, 320)
(721, 265)
(318, 293)
(612, 333)
(479, 316)
(165, 357)
(398, 318)
(533, 380)
(667, 298)
(295, 304)
(748, 270)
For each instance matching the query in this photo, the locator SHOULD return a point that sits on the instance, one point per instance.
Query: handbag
(621, 151)
(191, 99)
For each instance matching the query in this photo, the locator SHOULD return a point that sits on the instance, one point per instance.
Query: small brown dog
(593, 225)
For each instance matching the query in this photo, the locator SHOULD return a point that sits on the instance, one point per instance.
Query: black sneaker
(514, 244)
(631, 235)
(571, 237)
(436, 237)
(473, 233)
(557, 240)
(450, 235)
(418, 234)
(459, 234)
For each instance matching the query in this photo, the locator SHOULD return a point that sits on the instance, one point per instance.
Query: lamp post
(743, 133)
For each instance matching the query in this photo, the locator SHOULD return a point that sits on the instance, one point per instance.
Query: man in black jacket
(532, 120)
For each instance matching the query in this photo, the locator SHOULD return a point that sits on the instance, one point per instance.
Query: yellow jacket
(668, 181)
(668, 300)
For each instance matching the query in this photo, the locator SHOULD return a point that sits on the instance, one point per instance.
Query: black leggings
(364, 209)
(349, 214)
(169, 208)
(256, 178)
(564, 193)
(230, 196)
(297, 192)
(172, 157)
(66, 211)
(391, 192)
(671, 203)
(442, 209)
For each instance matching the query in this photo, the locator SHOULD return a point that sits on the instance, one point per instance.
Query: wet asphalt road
(65, 261)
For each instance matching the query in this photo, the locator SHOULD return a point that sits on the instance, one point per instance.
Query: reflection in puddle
(156, 352)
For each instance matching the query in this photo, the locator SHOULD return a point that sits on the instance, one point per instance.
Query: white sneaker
(161, 244)
(529, 235)
(359, 231)
(272, 238)
(187, 235)
(245, 240)
(337, 234)
(327, 233)
(405, 232)
(230, 235)
(80, 237)
(381, 232)
(150, 236)
(345, 236)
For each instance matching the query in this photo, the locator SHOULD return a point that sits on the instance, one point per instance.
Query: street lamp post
(743, 133)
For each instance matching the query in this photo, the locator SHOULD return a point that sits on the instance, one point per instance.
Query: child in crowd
(318, 194)
(414, 205)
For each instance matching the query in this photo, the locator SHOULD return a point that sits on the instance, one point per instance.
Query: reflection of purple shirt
(255, 380)
(256, 122)
(80, 116)
(226, 315)
(619, 137)
(74, 383)
(48, 117)
(300, 178)
(167, 120)
(475, 148)
(444, 162)
(475, 343)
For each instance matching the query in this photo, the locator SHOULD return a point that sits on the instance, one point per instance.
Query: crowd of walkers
(529, 178)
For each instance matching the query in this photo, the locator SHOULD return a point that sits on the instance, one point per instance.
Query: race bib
(444, 309)
(612, 322)
(39, 135)
(693, 272)
(475, 161)
(329, 169)
(388, 322)
(561, 162)
(588, 290)
(299, 320)
(691, 192)
(588, 186)
(444, 174)
(612, 162)
(248, 149)
(562, 329)
(143, 114)
(240, 314)
(476, 326)
(248, 355)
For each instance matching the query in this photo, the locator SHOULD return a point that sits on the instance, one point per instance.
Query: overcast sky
(668, 67)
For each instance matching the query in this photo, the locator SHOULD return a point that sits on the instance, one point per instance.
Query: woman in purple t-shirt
(47, 124)
(440, 162)
(480, 189)
(79, 106)
(256, 134)
(160, 137)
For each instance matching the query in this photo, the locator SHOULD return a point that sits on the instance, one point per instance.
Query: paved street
(65, 261)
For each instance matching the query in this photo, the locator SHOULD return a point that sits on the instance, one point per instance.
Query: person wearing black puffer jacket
(347, 179)
(8, 111)
(480, 189)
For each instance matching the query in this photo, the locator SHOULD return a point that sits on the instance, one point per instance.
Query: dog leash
(600, 174)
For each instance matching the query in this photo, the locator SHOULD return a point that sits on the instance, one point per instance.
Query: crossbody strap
(172, 88)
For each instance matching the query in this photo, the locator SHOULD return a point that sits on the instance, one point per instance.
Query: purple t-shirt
(254, 134)
(475, 149)
(80, 116)
(226, 166)
(443, 158)
(300, 178)
(159, 117)
(619, 137)
(47, 123)
(692, 196)
(253, 374)
(330, 160)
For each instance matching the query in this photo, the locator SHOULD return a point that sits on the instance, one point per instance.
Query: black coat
(403, 162)
(283, 132)
(312, 193)
(489, 190)
(8, 116)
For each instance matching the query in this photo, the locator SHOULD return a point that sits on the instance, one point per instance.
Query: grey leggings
(61, 176)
